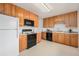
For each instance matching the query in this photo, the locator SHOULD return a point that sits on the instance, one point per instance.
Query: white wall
(40, 22)
(78, 25)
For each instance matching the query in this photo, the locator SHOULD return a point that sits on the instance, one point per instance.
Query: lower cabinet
(70, 39)
(38, 37)
(22, 42)
(67, 39)
(43, 35)
(74, 40)
(55, 37)
(61, 38)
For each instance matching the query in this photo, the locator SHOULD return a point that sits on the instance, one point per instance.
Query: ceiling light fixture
(45, 6)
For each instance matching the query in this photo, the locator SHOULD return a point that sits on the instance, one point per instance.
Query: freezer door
(9, 43)
(7, 22)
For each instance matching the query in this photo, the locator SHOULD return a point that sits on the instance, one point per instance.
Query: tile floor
(47, 48)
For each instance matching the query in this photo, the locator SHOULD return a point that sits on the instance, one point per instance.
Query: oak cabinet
(38, 37)
(66, 20)
(45, 23)
(1, 8)
(7, 9)
(73, 19)
(70, 39)
(36, 23)
(48, 22)
(22, 42)
(26, 14)
(13, 10)
(74, 40)
(44, 35)
(69, 19)
(55, 37)
(67, 39)
(59, 19)
(31, 16)
(61, 38)
(19, 14)
(58, 37)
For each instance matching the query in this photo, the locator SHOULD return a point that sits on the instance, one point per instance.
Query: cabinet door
(38, 37)
(7, 9)
(67, 39)
(73, 19)
(36, 23)
(44, 35)
(19, 14)
(44, 23)
(55, 37)
(13, 7)
(31, 16)
(61, 37)
(1, 8)
(22, 43)
(74, 40)
(67, 20)
(26, 14)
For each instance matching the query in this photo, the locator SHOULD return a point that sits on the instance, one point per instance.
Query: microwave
(28, 22)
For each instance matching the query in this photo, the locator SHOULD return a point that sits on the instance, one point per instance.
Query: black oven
(28, 22)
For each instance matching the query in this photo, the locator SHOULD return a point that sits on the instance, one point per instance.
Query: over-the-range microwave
(28, 22)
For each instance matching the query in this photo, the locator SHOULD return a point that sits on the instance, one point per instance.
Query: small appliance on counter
(70, 30)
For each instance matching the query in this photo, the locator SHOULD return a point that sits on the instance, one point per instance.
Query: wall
(78, 24)
(40, 22)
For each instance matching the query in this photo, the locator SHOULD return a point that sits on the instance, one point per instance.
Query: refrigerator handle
(17, 28)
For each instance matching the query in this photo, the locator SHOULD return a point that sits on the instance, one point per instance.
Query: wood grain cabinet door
(73, 19)
(19, 14)
(67, 39)
(26, 14)
(67, 20)
(36, 23)
(61, 37)
(74, 40)
(22, 42)
(55, 37)
(44, 35)
(7, 9)
(13, 10)
(38, 37)
(1, 8)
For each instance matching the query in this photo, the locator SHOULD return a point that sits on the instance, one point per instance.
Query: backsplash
(57, 27)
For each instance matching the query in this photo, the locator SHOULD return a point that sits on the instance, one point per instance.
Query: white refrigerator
(9, 38)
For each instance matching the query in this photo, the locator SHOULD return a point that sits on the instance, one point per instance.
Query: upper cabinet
(1, 8)
(59, 19)
(73, 19)
(7, 9)
(26, 14)
(69, 19)
(19, 14)
(15, 11)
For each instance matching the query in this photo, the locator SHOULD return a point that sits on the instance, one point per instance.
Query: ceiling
(57, 8)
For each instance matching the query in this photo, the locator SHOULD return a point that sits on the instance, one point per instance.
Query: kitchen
(36, 28)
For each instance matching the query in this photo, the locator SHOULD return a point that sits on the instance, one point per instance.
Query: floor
(47, 48)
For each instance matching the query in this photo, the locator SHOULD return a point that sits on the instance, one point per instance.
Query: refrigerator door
(9, 43)
(7, 22)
